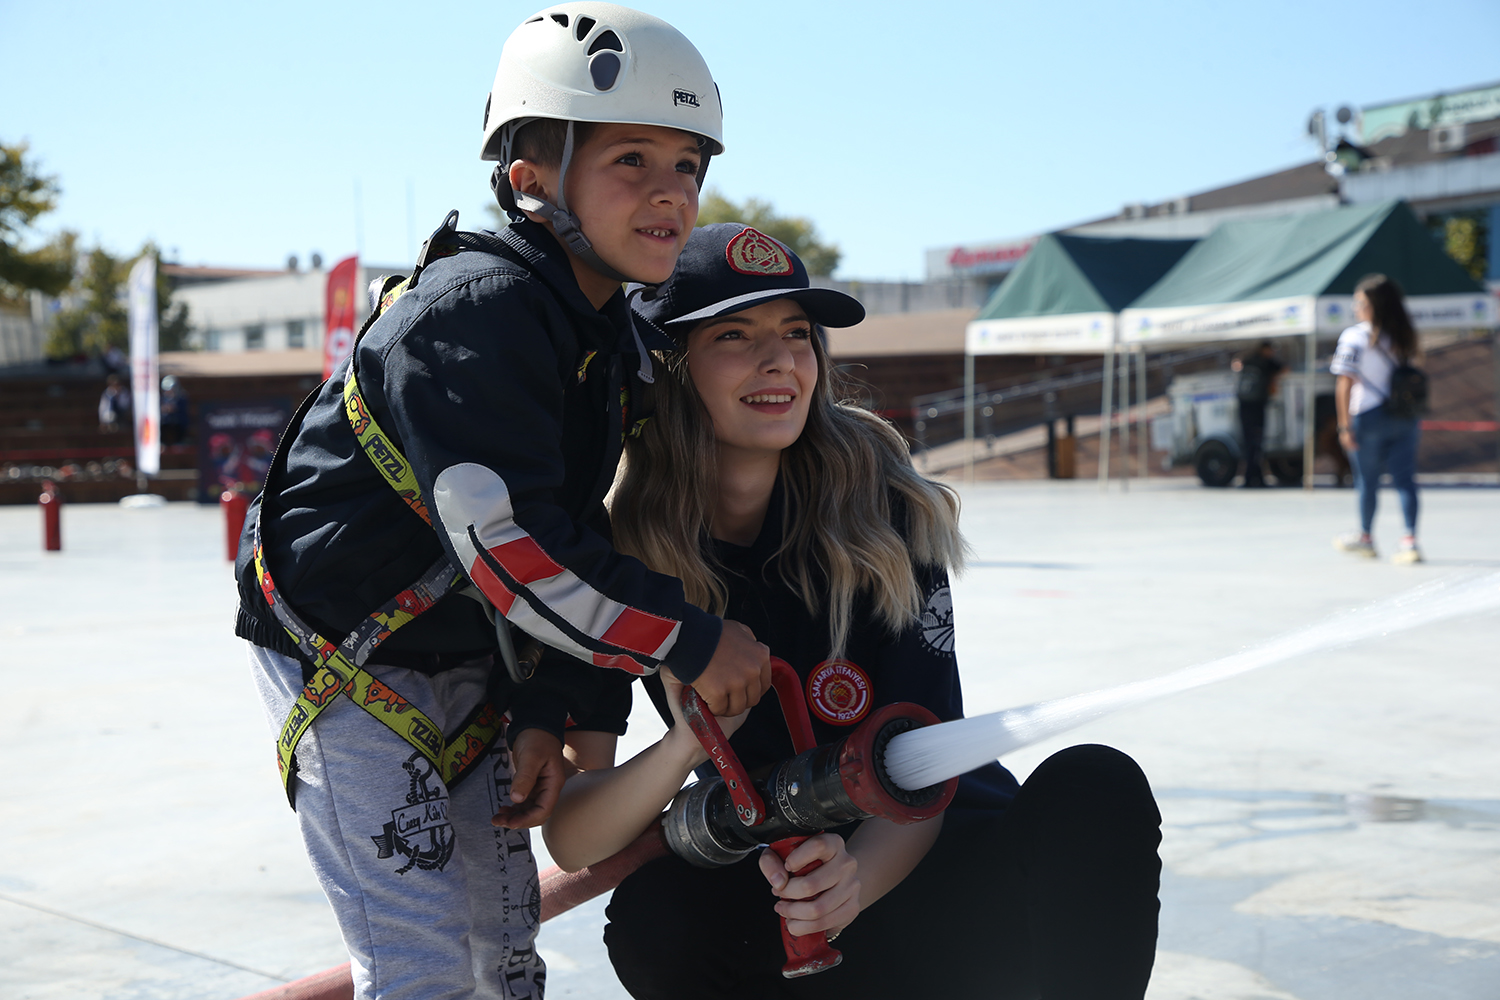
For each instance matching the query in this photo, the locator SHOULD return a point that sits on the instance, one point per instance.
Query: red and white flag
(144, 384)
(340, 314)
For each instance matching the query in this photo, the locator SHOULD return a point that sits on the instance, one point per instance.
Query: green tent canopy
(1296, 274)
(1065, 293)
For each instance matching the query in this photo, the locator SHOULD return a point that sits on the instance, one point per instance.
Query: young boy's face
(634, 189)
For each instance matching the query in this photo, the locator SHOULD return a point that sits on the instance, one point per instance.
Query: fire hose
(854, 776)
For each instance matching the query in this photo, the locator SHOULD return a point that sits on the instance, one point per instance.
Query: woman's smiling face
(755, 371)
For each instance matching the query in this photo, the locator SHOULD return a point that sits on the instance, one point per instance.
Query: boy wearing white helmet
(490, 400)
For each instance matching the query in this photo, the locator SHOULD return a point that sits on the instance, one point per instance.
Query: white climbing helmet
(600, 62)
(595, 62)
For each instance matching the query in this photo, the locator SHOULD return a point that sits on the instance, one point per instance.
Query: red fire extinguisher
(51, 504)
(235, 506)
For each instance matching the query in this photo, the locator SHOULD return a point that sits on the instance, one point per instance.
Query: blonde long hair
(838, 481)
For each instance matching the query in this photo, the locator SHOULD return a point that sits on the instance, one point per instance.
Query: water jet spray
(933, 754)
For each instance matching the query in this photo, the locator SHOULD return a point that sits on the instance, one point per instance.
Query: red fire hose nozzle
(717, 822)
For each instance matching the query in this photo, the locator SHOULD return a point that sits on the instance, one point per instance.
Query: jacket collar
(549, 260)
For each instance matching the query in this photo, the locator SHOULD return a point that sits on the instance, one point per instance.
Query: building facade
(234, 311)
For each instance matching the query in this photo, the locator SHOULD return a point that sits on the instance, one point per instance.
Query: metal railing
(1015, 404)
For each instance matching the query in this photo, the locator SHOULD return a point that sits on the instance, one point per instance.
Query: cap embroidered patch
(753, 252)
(839, 692)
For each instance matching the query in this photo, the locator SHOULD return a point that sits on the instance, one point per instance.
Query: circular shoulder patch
(937, 622)
(839, 692)
(753, 252)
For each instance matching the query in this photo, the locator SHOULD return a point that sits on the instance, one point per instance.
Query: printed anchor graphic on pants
(419, 831)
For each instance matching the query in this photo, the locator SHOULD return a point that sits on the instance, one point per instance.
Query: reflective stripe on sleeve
(555, 605)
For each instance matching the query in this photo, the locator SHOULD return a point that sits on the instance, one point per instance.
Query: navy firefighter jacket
(509, 394)
(877, 668)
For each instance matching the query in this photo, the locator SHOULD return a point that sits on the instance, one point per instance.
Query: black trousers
(1054, 898)
(1253, 429)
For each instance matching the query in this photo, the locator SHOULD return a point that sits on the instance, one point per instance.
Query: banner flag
(145, 384)
(340, 313)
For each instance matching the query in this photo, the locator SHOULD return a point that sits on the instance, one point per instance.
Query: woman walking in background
(1376, 439)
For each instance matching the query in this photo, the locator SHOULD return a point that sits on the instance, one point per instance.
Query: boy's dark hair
(541, 141)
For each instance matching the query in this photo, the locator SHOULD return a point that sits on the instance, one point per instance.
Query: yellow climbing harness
(386, 457)
(338, 671)
(338, 668)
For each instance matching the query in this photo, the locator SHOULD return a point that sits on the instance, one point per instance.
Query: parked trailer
(1203, 429)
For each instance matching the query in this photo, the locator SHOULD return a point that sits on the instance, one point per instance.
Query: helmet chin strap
(565, 224)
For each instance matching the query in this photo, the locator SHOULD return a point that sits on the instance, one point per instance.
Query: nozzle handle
(805, 953)
(747, 801)
(788, 688)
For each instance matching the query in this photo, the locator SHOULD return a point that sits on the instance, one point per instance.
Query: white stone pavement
(1332, 823)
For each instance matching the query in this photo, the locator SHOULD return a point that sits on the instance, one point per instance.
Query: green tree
(97, 316)
(1466, 238)
(796, 232)
(26, 194)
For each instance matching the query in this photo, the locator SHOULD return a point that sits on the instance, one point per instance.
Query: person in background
(114, 405)
(1258, 372)
(116, 361)
(1375, 439)
(174, 411)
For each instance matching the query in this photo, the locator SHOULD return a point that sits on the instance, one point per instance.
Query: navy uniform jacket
(916, 665)
(509, 394)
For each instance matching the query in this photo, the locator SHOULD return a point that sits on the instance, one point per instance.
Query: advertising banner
(1082, 333)
(1381, 121)
(145, 384)
(340, 313)
(1427, 312)
(981, 259)
(1225, 321)
(236, 442)
(1325, 314)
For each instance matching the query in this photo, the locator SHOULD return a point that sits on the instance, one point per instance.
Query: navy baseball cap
(728, 267)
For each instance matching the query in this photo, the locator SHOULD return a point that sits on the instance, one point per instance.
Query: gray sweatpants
(433, 902)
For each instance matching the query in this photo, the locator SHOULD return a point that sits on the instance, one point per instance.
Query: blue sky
(238, 133)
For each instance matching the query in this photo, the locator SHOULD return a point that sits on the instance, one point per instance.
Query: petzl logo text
(680, 97)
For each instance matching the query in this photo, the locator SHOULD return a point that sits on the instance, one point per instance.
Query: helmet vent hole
(534, 20)
(487, 101)
(605, 69)
(582, 27)
(561, 19)
(606, 40)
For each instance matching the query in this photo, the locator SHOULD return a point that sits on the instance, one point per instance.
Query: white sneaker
(1355, 544)
(1407, 555)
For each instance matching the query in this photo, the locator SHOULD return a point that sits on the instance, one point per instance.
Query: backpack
(1252, 387)
(1407, 397)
